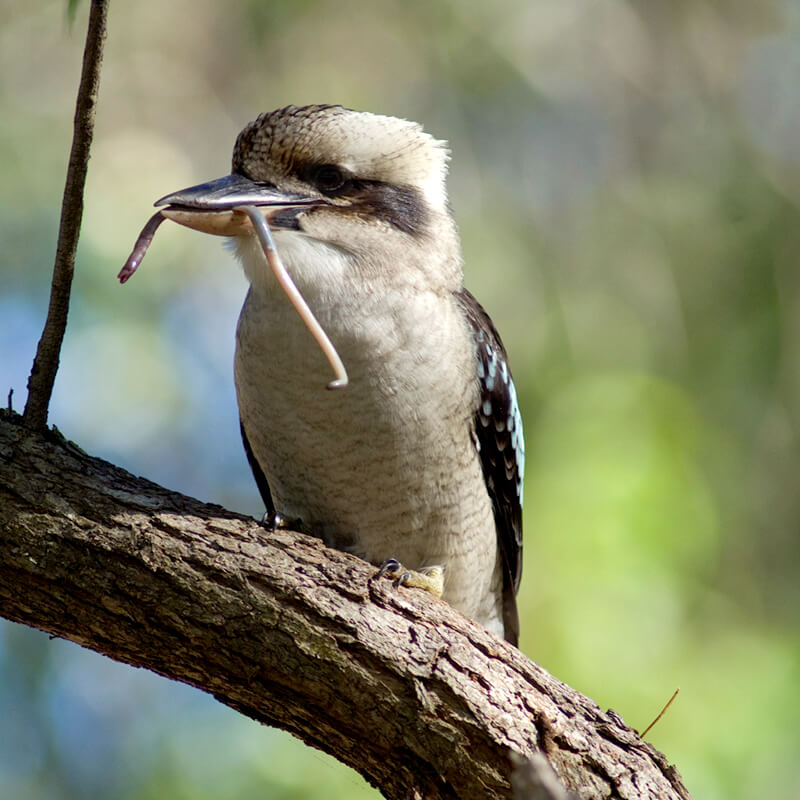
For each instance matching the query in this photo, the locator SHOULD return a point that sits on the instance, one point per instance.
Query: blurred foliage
(626, 177)
(72, 10)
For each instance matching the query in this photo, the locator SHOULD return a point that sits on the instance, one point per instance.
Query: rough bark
(421, 701)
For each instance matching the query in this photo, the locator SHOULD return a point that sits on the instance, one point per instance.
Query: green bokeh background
(626, 177)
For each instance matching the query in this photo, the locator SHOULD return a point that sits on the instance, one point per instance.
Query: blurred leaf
(72, 9)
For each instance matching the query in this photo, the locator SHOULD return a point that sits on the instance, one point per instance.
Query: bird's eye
(329, 178)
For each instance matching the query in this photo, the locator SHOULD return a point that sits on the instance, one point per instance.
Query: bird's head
(335, 185)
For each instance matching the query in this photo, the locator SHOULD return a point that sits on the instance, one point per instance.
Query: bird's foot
(275, 521)
(429, 578)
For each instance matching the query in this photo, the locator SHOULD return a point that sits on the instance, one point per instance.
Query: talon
(275, 521)
(404, 580)
(389, 567)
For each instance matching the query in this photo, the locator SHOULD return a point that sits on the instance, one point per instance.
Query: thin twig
(45, 365)
(663, 711)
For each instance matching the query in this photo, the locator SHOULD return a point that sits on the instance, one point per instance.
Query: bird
(417, 464)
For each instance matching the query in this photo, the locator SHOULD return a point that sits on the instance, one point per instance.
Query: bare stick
(663, 710)
(140, 248)
(295, 298)
(45, 365)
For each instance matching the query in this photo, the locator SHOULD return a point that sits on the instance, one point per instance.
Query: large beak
(209, 207)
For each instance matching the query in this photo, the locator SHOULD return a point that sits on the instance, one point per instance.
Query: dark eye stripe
(400, 206)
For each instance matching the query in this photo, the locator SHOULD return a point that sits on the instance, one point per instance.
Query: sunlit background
(626, 177)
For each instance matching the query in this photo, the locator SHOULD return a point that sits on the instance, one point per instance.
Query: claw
(275, 521)
(390, 567)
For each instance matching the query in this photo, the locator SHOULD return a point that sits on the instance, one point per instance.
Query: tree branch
(45, 364)
(421, 701)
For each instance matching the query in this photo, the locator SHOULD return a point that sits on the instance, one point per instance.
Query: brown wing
(499, 438)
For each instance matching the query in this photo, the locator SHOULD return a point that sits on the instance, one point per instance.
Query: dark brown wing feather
(498, 432)
(258, 474)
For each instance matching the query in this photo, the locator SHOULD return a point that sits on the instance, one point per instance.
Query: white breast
(385, 467)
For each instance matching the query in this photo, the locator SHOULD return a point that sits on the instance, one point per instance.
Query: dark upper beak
(209, 207)
(233, 190)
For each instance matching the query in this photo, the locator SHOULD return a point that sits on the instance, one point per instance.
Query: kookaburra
(420, 458)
